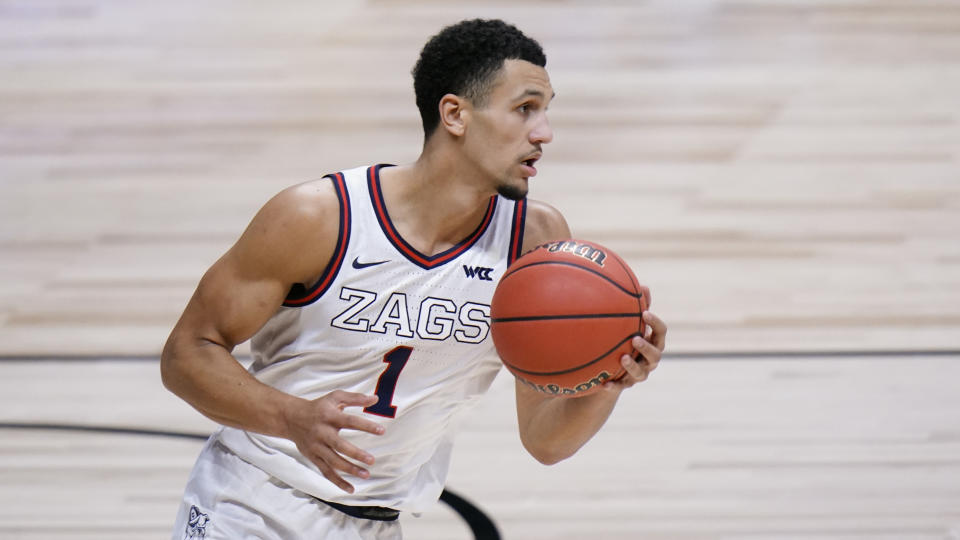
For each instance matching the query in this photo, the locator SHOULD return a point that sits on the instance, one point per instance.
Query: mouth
(530, 162)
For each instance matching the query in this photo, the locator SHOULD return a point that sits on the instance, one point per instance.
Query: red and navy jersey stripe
(516, 231)
(408, 251)
(299, 295)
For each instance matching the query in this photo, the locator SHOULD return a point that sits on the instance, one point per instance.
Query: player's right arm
(291, 240)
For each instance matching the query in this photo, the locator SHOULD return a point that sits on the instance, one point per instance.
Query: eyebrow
(537, 93)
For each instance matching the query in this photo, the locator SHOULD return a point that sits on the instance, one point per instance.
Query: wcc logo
(478, 272)
(196, 524)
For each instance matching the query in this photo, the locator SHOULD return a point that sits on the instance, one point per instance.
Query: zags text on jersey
(435, 319)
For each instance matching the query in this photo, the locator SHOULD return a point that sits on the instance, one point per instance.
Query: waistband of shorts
(376, 513)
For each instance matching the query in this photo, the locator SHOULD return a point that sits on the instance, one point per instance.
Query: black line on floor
(104, 429)
(480, 524)
(86, 358)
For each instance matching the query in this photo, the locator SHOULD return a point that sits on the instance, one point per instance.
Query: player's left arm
(554, 428)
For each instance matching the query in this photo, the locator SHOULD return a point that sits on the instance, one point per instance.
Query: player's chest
(449, 304)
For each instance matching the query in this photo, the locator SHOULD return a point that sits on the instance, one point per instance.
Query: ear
(454, 112)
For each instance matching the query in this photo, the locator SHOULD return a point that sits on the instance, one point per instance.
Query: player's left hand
(648, 351)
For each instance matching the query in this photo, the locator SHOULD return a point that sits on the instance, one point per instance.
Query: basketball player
(366, 295)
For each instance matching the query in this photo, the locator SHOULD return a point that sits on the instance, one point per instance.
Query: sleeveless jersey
(385, 319)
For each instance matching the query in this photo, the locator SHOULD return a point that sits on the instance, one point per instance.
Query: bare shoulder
(308, 204)
(290, 240)
(295, 233)
(544, 223)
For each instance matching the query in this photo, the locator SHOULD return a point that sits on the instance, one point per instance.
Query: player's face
(506, 134)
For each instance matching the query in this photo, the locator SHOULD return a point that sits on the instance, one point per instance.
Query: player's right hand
(315, 428)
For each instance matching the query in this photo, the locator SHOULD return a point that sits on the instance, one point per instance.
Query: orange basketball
(564, 314)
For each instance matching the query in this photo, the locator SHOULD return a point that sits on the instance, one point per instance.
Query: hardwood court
(783, 176)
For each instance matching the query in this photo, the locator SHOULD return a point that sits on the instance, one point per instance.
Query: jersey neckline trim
(516, 232)
(408, 251)
(299, 295)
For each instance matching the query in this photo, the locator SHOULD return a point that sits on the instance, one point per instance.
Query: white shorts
(228, 498)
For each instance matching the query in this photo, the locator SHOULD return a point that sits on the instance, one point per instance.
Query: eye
(524, 109)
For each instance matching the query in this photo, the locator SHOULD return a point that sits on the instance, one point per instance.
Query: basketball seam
(565, 263)
(570, 370)
(639, 296)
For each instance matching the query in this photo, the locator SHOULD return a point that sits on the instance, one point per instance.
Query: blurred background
(782, 175)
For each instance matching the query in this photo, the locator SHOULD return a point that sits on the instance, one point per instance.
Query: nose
(542, 133)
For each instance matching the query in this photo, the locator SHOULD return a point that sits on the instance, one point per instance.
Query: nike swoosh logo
(360, 265)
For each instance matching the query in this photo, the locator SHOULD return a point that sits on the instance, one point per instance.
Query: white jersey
(385, 319)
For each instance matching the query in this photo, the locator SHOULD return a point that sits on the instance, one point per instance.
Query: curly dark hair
(464, 59)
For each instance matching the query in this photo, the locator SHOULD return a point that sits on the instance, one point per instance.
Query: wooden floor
(784, 176)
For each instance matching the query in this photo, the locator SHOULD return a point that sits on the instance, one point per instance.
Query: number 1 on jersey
(396, 359)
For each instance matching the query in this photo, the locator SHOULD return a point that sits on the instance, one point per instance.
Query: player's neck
(433, 204)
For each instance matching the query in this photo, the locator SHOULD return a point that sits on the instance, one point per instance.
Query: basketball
(563, 315)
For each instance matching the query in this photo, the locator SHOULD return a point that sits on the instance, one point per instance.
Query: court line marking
(480, 524)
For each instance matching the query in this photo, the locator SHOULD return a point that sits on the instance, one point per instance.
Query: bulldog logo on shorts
(197, 524)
